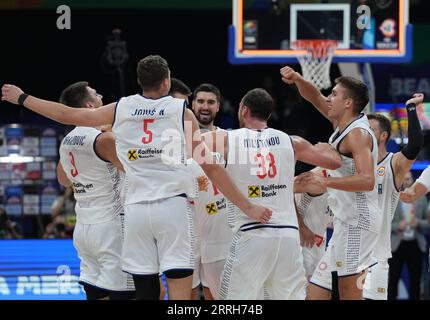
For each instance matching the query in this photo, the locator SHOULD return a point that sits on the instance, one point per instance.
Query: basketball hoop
(316, 61)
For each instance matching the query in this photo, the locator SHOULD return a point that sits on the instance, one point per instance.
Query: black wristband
(22, 98)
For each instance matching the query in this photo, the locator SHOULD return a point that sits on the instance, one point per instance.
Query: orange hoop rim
(319, 48)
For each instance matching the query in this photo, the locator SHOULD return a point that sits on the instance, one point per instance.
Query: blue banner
(39, 270)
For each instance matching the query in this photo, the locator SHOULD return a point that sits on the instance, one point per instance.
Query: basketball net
(316, 60)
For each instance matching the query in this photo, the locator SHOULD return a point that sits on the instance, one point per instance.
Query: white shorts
(99, 249)
(349, 252)
(268, 258)
(197, 275)
(209, 275)
(311, 258)
(158, 236)
(376, 283)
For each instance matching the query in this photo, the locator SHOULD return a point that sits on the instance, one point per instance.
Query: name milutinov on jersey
(264, 191)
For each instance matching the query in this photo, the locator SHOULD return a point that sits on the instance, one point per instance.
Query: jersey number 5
(263, 163)
(74, 171)
(147, 139)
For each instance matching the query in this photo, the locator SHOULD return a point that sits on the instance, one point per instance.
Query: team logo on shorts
(381, 290)
(132, 154)
(322, 266)
(211, 209)
(339, 264)
(253, 191)
(381, 171)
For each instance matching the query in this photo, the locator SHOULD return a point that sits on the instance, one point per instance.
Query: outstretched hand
(10, 93)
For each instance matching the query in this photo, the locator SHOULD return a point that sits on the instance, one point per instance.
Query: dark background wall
(41, 59)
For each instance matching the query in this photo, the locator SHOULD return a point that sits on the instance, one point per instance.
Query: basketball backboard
(264, 31)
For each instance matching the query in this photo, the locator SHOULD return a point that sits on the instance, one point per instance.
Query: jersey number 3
(74, 171)
(266, 164)
(147, 139)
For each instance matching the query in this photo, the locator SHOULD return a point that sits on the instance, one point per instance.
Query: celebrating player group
(163, 192)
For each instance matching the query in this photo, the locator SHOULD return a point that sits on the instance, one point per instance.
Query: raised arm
(87, 117)
(307, 90)
(106, 149)
(403, 160)
(321, 154)
(219, 176)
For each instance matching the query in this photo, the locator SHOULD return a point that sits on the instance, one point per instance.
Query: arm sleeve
(426, 134)
(415, 136)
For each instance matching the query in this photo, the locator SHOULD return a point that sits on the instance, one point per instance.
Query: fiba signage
(39, 270)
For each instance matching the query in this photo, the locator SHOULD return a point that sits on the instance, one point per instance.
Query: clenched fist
(10, 93)
(289, 76)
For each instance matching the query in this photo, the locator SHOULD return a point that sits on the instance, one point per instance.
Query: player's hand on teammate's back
(289, 75)
(259, 213)
(417, 99)
(10, 93)
(408, 195)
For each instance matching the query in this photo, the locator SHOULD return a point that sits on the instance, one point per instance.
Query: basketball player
(420, 187)
(179, 90)
(150, 131)
(87, 161)
(352, 192)
(316, 215)
(262, 160)
(392, 169)
(213, 234)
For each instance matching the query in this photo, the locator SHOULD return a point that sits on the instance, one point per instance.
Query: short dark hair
(356, 90)
(383, 122)
(151, 71)
(75, 95)
(259, 102)
(207, 87)
(178, 86)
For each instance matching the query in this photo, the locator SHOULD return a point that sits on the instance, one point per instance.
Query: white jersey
(359, 209)
(424, 178)
(388, 197)
(262, 163)
(151, 146)
(211, 221)
(316, 214)
(96, 182)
